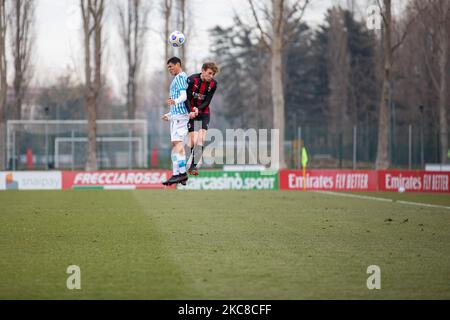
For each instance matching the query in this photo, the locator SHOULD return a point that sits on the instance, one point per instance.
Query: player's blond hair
(212, 66)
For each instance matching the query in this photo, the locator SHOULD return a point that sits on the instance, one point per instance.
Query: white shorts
(179, 128)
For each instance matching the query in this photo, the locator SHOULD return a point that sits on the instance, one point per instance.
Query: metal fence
(61, 144)
(410, 147)
(127, 144)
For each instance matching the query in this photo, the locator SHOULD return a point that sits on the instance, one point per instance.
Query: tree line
(277, 70)
(90, 98)
(339, 74)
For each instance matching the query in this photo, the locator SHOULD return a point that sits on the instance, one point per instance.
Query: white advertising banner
(31, 180)
(2, 181)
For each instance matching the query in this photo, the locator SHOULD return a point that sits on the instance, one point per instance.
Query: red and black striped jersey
(200, 93)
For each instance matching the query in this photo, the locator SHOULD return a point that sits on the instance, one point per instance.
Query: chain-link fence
(353, 147)
(127, 144)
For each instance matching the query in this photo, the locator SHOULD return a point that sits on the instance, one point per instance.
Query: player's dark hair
(174, 60)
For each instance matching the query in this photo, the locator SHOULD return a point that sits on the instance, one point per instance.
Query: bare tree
(167, 6)
(443, 7)
(182, 17)
(338, 66)
(3, 84)
(383, 161)
(22, 25)
(283, 18)
(435, 18)
(92, 14)
(133, 19)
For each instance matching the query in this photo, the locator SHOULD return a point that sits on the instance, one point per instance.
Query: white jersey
(179, 84)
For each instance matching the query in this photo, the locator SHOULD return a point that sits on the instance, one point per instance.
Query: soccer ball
(177, 39)
(401, 189)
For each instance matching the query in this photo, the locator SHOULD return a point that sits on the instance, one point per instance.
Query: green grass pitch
(168, 244)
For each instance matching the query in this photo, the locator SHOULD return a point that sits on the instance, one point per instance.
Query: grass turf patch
(169, 244)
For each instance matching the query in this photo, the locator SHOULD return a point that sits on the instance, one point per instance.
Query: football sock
(193, 155)
(175, 164)
(181, 163)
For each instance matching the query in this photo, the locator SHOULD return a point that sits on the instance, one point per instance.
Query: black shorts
(204, 118)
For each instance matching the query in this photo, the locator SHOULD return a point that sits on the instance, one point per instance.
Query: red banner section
(331, 180)
(413, 181)
(145, 179)
(368, 180)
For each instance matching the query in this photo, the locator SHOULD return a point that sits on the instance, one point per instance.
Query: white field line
(384, 199)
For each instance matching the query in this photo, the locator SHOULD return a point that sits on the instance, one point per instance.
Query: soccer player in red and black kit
(201, 89)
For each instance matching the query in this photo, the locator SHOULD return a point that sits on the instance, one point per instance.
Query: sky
(58, 26)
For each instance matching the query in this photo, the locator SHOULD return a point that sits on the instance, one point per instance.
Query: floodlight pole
(14, 151)
(354, 146)
(46, 146)
(130, 158)
(300, 145)
(46, 137)
(410, 147)
(422, 156)
(72, 146)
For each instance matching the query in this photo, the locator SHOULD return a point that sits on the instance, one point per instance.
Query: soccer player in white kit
(179, 118)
